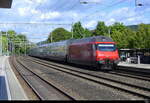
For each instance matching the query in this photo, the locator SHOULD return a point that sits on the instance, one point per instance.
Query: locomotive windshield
(106, 47)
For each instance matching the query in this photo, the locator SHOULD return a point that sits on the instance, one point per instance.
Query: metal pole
(51, 38)
(1, 43)
(135, 2)
(109, 32)
(7, 43)
(25, 48)
(19, 48)
(138, 59)
(72, 30)
(14, 48)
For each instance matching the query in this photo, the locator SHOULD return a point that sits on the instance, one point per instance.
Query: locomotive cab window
(106, 47)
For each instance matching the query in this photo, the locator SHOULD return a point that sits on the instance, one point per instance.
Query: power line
(72, 7)
(114, 4)
(35, 23)
(136, 15)
(57, 4)
(96, 3)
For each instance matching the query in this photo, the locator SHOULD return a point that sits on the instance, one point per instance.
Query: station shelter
(142, 54)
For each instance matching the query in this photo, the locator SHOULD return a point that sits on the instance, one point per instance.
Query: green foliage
(124, 36)
(130, 38)
(59, 34)
(143, 36)
(119, 33)
(4, 40)
(133, 27)
(14, 43)
(11, 34)
(78, 31)
(101, 29)
(87, 33)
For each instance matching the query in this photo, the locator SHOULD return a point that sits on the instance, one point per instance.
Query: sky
(37, 18)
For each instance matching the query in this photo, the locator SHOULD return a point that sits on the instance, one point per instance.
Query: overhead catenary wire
(139, 14)
(34, 23)
(97, 11)
(61, 5)
(109, 6)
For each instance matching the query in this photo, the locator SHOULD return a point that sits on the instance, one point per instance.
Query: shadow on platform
(3, 89)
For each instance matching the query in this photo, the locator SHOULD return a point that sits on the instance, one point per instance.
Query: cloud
(68, 11)
(24, 11)
(110, 21)
(130, 19)
(35, 1)
(91, 24)
(50, 15)
(119, 12)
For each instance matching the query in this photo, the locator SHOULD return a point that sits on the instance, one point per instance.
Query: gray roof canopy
(5, 3)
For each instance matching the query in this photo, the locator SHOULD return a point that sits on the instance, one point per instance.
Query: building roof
(5, 3)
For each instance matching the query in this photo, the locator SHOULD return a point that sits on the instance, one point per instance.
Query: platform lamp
(87, 2)
(138, 4)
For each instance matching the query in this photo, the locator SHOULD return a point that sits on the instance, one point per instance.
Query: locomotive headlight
(100, 54)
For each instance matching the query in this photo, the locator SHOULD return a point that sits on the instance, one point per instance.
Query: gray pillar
(138, 59)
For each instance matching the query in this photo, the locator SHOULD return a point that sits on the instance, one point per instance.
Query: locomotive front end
(107, 56)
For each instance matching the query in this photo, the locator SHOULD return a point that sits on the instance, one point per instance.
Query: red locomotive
(98, 51)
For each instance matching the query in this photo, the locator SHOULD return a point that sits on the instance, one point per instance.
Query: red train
(98, 51)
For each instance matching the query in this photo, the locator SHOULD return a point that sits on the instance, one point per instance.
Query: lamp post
(72, 29)
(7, 43)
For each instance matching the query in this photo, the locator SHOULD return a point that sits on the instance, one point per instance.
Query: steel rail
(131, 75)
(146, 72)
(13, 62)
(51, 84)
(36, 91)
(88, 76)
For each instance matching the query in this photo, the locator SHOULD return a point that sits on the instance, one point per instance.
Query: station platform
(10, 88)
(139, 66)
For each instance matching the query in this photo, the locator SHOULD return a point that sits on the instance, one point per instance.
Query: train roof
(57, 43)
(83, 40)
(93, 39)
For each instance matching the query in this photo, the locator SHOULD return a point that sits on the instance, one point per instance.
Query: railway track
(144, 71)
(119, 72)
(125, 87)
(43, 89)
(131, 75)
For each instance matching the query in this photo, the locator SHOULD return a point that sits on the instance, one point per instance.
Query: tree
(101, 29)
(11, 34)
(87, 32)
(78, 31)
(143, 36)
(119, 33)
(130, 38)
(20, 42)
(13, 42)
(59, 34)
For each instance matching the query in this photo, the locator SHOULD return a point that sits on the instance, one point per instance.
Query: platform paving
(140, 66)
(10, 88)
